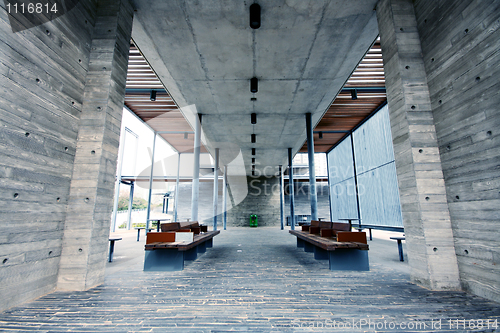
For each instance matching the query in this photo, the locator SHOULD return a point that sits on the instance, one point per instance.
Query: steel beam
(196, 170)
(224, 196)
(313, 196)
(177, 186)
(290, 188)
(148, 211)
(216, 186)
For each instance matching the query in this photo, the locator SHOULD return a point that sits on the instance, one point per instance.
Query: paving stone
(270, 286)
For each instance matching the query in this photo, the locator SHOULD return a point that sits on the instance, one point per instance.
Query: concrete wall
(42, 78)
(205, 202)
(263, 199)
(460, 42)
(303, 202)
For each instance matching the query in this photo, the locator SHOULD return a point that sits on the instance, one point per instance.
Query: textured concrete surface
(302, 55)
(252, 280)
(422, 191)
(460, 42)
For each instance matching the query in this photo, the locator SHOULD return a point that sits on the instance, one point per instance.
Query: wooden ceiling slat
(343, 114)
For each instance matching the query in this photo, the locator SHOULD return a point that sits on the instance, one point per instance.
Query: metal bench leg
(111, 250)
(308, 247)
(164, 260)
(209, 242)
(202, 248)
(300, 242)
(400, 249)
(320, 254)
(191, 254)
(349, 260)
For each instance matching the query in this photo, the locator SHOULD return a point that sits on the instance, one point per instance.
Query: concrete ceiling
(205, 53)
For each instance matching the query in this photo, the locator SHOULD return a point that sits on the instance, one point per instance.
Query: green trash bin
(253, 220)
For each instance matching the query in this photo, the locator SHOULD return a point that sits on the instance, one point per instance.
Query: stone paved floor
(254, 280)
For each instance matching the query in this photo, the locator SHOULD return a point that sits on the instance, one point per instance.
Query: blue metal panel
(349, 260)
(164, 260)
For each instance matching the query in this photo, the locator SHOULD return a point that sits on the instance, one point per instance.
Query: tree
(138, 203)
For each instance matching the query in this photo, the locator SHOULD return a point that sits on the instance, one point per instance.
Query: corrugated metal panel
(379, 197)
(340, 163)
(373, 142)
(377, 182)
(342, 190)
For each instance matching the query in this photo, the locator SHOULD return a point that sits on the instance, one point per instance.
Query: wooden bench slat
(198, 239)
(328, 244)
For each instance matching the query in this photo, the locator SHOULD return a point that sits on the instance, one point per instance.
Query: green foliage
(139, 203)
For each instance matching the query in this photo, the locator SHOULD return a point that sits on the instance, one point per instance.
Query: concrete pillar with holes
(426, 218)
(86, 229)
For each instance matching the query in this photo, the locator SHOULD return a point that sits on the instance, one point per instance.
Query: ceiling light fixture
(253, 118)
(255, 16)
(254, 85)
(253, 151)
(185, 135)
(253, 160)
(354, 93)
(254, 138)
(152, 96)
(321, 135)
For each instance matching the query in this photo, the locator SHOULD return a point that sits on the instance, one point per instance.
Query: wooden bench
(325, 228)
(345, 251)
(175, 226)
(165, 253)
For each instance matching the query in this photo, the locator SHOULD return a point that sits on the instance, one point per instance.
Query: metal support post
(282, 202)
(177, 186)
(130, 204)
(290, 189)
(356, 182)
(216, 185)
(148, 211)
(224, 196)
(196, 170)
(329, 189)
(312, 171)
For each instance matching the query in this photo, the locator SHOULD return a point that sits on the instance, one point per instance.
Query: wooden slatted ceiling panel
(161, 114)
(370, 71)
(345, 113)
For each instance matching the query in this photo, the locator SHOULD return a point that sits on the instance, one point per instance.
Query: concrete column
(282, 198)
(86, 229)
(290, 189)
(196, 171)
(224, 196)
(177, 186)
(216, 185)
(426, 218)
(130, 203)
(148, 211)
(313, 196)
